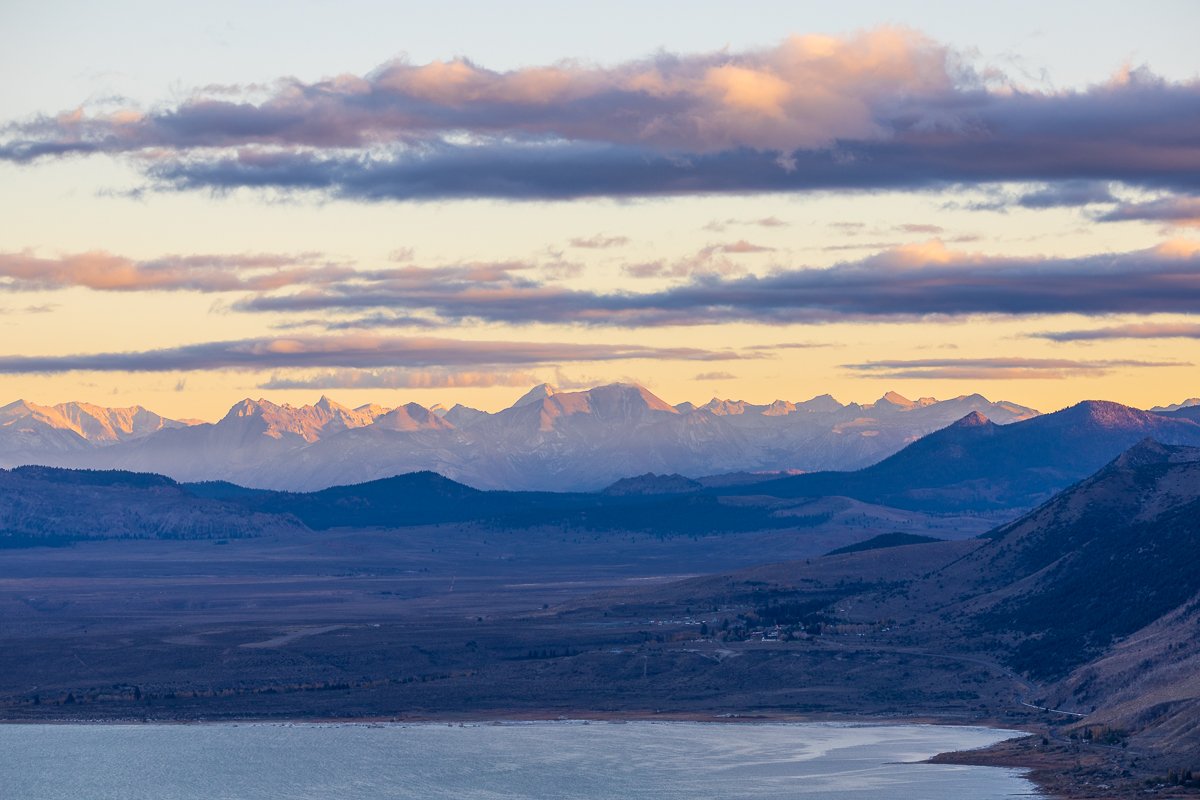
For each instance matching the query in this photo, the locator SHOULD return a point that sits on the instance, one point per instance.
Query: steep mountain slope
(102, 426)
(1148, 683)
(1093, 597)
(975, 464)
(1101, 560)
(1095, 593)
(411, 417)
(29, 431)
(309, 423)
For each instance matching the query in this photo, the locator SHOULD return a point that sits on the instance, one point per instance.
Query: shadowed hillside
(977, 465)
(47, 506)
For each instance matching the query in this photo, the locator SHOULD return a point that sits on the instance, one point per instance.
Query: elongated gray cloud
(908, 282)
(788, 346)
(103, 271)
(1140, 330)
(1175, 211)
(885, 108)
(348, 351)
(720, 225)
(999, 368)
(1066, 194)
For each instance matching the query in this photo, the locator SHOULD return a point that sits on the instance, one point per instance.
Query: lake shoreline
(519, 755)
(1058, 769)
(525, 715)
(1036, 771)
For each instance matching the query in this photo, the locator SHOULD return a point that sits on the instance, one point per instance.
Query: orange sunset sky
(390, 202)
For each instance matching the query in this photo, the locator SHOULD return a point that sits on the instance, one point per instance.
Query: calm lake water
(496, 761)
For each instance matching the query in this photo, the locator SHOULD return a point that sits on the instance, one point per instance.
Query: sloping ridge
(50, 506)
(415, 498)
(975, 465)
(1106, 557)
(427, 498)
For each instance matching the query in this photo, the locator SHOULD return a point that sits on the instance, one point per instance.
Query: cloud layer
(907, 282)
(104, 271)
(885, 108)
(904, 282)
(1171, 211)
(998, 368)
(360, 351)
(1139, 330)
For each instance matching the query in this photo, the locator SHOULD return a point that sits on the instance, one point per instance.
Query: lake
(487, 761)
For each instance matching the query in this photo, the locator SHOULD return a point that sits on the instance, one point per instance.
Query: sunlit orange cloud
(887, 107)
(808, 91)
(923, 254)
(104, 271)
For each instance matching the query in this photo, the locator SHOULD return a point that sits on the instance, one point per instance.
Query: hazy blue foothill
(512, 761)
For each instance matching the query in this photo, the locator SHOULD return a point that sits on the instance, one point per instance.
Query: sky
(394, 202)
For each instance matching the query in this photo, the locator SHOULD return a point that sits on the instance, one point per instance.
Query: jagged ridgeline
(547, 440)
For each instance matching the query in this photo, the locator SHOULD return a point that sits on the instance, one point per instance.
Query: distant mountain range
(547, 440)
(970, 466)
(28, 430)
